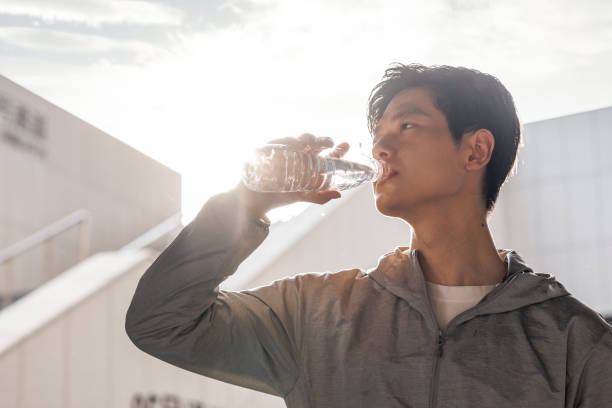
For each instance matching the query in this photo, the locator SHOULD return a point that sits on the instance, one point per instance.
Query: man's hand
(259, 203)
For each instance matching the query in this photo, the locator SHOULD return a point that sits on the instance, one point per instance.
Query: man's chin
(386, 206)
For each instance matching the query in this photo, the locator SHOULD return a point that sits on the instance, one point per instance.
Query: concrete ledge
(53, 299)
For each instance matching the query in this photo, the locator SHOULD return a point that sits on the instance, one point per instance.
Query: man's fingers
(322, 144)
(339, 151)
(315, 145)
(306, 141)
(325, 141)
(307, 138)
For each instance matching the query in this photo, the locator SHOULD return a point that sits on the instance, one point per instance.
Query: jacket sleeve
(595, 387)
(179, 315)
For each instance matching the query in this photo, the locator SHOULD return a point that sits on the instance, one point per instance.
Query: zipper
(433, 387)
(442, 334)
(433, 394)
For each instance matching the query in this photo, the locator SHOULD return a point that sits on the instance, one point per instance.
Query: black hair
(470, 100)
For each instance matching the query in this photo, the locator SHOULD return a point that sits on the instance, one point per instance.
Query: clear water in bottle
(277, 168)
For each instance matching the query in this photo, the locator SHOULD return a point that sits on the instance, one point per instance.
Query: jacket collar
(400, 273)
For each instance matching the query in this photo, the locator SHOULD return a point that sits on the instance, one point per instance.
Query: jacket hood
(400, 273)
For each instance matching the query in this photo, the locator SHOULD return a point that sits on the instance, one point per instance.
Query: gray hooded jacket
(365, 338)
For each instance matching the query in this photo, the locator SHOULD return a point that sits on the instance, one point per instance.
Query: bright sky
(196, 83)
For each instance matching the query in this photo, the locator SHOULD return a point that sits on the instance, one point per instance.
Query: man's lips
(386, 176)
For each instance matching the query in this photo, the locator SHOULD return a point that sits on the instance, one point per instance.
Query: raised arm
(179, 315)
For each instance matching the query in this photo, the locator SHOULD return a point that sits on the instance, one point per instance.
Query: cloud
(126, 32)
(95, 12)
(53, 41)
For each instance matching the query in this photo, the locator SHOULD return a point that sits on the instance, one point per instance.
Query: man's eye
(407, 125)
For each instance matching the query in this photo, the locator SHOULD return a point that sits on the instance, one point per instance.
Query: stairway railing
(45, 236)
(153, 237)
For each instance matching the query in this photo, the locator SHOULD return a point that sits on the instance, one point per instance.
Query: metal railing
(163, 229)
(45, 237)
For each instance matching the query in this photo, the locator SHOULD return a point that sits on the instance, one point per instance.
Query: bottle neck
(378, 169)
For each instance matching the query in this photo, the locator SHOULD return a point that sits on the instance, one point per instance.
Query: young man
(450, 321)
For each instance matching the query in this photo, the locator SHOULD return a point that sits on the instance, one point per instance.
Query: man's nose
(381, 149)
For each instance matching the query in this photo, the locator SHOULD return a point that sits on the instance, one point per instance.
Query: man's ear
(479, 148)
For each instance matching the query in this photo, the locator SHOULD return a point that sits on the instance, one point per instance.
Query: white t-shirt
(448, 301)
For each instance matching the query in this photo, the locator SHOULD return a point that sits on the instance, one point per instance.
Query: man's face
(414, 141)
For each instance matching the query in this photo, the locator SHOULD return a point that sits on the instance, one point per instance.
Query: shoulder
(575, 316)
(583, 329)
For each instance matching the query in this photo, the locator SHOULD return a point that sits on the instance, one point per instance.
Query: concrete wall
(557, 210)
(51, 164)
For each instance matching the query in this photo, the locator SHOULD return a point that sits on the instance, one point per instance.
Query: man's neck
(456, 249)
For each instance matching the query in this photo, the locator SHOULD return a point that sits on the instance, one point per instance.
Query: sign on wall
(22, 127)
(152, 400)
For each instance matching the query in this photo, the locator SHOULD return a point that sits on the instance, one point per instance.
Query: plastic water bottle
(277, 168)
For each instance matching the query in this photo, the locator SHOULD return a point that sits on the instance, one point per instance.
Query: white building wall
(53, 163)
(557, 210)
